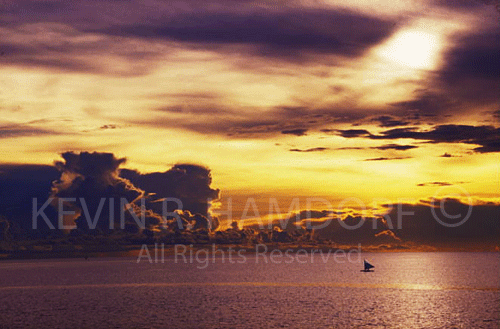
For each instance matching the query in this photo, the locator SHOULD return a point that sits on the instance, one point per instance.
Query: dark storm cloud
(394, 147)
(419, 223)
(90, 177)
(188, 182)
(19, 185)
(280, 33)
(100, 166)
(337, 226)
(27, 172)
(477, 56)
(467, 78)
(435, 222)
(489, 146)
(93, 176)
(229, 27)
(487, 137)
(464, 5)
(314, 149)
(471, 71)
(351, 229)
(355, 229)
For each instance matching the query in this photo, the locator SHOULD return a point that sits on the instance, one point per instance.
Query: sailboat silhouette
(368, 267)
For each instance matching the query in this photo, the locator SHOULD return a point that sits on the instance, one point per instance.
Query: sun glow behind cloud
(413, 48)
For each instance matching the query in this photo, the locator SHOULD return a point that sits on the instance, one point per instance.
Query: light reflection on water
(407, 290)
(405, 286)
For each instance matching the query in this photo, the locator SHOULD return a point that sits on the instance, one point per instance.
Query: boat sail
(368, 267)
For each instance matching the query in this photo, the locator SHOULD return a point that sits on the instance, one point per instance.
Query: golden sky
(334, 99)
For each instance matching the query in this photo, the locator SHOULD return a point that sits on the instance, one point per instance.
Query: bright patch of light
(413, 49)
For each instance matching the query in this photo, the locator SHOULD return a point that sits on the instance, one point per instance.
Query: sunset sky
(332, 99)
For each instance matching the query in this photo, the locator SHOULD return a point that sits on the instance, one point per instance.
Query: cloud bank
(91, 185)
(90, 177)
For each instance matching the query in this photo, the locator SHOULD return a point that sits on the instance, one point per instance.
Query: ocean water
(406, 290)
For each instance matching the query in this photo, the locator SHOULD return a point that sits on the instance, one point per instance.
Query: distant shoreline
(169, 250)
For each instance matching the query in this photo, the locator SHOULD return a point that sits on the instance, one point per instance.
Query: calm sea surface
(407, 290)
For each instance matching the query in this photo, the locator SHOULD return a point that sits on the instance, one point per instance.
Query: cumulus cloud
(445, 222)
(195, 221)
(101, 167)
(351, 229)
(342, 226)
(188, 182)
(90, 178)
(93, 176)
(90, 185)
(420, 222)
